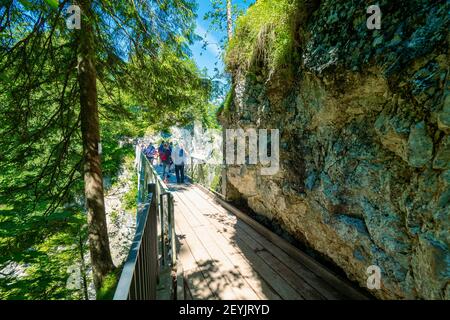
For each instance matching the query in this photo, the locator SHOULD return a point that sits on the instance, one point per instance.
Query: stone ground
(121, 223)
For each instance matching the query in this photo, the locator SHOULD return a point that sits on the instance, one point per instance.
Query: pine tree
(51, 76)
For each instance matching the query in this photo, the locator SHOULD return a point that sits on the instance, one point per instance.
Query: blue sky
(207, 58)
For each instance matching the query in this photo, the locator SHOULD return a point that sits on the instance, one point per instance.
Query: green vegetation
(51, 250)
(106, 292)
(130, 198)
(265, 34)
(139, 78)
(225, 107)
(216, 181)
(185, 95)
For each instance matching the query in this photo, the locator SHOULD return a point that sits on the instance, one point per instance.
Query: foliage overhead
(144, 78)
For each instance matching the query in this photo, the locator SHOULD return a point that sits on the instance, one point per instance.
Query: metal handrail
(199, 172)
(154, 246)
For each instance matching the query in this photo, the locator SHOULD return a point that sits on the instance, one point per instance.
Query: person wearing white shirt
(179, 157)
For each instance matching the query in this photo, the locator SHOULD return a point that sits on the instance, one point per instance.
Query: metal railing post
(153, 239)
(172, 230)
(163, 249)
(140, 274)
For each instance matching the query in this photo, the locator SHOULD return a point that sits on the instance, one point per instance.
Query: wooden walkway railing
(153, 251)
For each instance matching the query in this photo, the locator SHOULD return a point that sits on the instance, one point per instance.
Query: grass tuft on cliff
(265, 34)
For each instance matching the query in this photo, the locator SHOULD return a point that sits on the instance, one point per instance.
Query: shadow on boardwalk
(225, 258)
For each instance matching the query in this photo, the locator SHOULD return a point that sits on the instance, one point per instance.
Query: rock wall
(365, 142)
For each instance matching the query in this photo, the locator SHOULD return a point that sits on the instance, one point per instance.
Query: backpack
(165, 155)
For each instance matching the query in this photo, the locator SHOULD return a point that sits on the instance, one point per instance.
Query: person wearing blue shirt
(179, 157)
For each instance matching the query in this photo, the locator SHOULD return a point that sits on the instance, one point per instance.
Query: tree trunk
(229, 20)
(101, 259)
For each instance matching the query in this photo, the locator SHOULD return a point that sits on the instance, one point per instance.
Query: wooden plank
(230, 271)
(303, 272)
(207, 210)
(299, 284)
(209, 267)
(267, 273)
(198, 286)
(299, 269)
(242, 289)
(329, 277)
(242, 276)
(184, 253)
(191, 217)
(238, 261)
(275, 280)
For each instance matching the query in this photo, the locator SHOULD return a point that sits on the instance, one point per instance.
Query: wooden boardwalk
(223, 257)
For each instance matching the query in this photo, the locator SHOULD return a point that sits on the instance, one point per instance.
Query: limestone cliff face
(364, 119)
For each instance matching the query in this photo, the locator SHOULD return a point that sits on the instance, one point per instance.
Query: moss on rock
(364, 129)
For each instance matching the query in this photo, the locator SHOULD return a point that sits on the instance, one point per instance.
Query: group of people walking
(169, 155)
